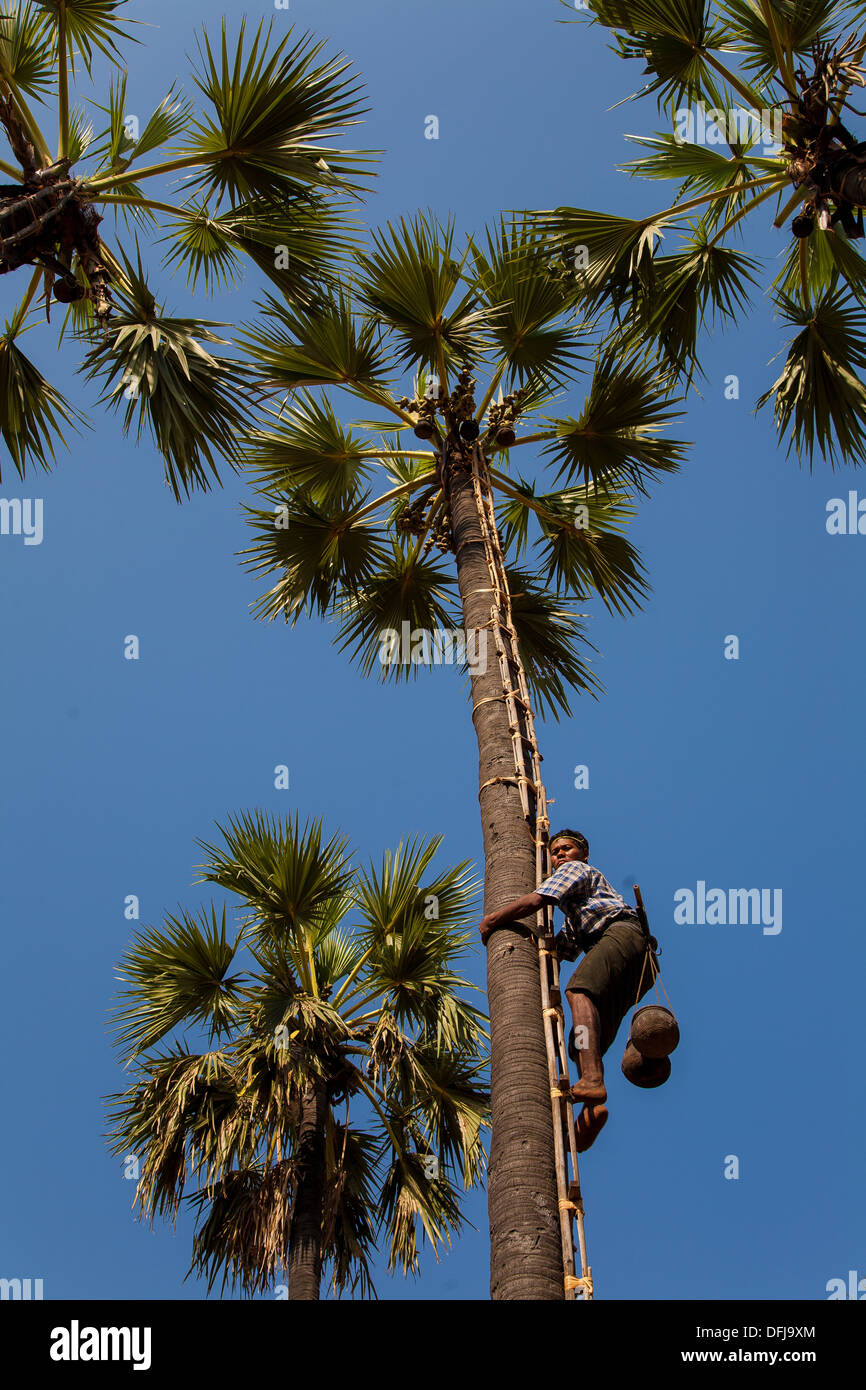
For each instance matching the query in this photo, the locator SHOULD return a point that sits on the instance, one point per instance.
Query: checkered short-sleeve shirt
(586, 899)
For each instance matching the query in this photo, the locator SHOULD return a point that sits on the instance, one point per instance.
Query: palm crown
(342, 1092)
(757, 91)
(262, 183)
(341, 546)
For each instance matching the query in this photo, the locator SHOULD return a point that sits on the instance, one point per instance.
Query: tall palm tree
(415, 304)
(342, 1091)
(261, 183)
(758, 94)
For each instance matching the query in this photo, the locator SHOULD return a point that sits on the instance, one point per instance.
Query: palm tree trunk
(305, 1244)
(526, 1252)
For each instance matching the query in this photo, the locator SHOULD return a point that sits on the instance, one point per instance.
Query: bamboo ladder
(527, 763)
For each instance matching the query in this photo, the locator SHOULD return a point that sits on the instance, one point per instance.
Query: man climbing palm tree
(606, 983)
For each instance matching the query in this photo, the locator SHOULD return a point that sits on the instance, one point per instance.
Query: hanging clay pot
(646, 1072)
(469, 430)
(654, 1031)
(424, 428)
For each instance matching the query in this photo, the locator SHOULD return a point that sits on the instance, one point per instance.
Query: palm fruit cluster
(462, 406)
(459, 407)
(502, 417)
(412, 518)
(425, 408)
(415, 520)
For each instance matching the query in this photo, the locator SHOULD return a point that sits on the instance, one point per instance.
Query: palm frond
(165, 123)
(581, 543)
(159, 370)
(319, 552)
(89, 24)
(452, 1106)
(672, 37)
(348, 1223)
(33, 413)
(550, 638)
(80, 134)
(153, 1119)
(271, 111)
(616, 438)
(326, 345)
(819, 399)
(246, 1231)
(704, 282)
(309, 450)
(26, 63)
(410, 1199)
(830, 259)
(285, 873)
(410, 282)
(798, 24)
(602, 256)
(176, 975)
(526, 305)
(381, 620)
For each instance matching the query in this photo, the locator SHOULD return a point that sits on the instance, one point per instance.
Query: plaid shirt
(587, 900)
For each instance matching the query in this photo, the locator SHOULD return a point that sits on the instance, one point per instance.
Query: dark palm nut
(68, 290)
(654, 1031)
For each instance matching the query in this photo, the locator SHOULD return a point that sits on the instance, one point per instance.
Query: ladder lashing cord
(533, 798)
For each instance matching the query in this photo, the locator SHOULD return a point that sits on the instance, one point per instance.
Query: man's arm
(521, 907)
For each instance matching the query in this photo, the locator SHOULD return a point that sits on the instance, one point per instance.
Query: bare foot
(588, 1125)
(590, 1090)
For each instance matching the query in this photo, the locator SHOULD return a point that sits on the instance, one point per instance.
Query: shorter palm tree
(342, 1092)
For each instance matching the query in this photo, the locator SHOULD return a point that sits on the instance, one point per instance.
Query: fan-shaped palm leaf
(319, 552)
(326, 346)
(87, 24)
(616, 438)
(270, 113)
(33, 413)
(26, 62)
(158, 367)
(820, 400)
(674, 38)
(389, 621)
(551, 639)
(309, 449)
(526, 305)
(410, 282)
(284, 873)
(177, 975)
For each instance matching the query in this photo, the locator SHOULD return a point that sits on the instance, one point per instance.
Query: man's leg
(587, 1037)
(588, 1125)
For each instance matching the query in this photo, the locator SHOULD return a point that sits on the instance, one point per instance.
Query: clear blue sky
(744, 773)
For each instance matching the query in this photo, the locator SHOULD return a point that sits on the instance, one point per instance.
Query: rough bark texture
(526, 1254)
(305, 1245)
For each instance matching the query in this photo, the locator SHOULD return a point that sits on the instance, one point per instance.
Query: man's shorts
(610, 973)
